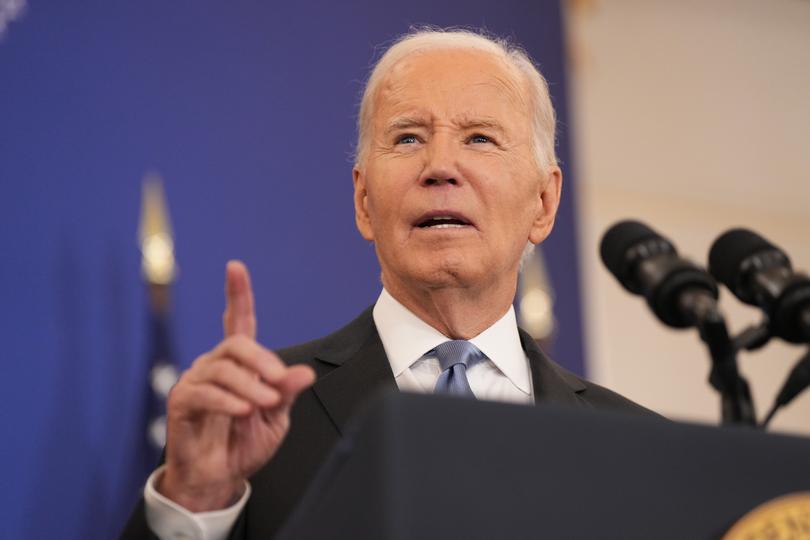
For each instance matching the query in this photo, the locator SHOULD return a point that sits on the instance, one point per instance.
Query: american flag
(159, 272)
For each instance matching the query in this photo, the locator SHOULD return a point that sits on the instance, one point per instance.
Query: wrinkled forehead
(462, 79)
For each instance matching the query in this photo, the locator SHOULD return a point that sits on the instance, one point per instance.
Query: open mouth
(442, 221)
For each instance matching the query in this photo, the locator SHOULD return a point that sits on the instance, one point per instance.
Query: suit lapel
(550, 383)
(362, 369)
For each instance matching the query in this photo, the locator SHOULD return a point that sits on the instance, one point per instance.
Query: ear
(547, 205)
(361, 217)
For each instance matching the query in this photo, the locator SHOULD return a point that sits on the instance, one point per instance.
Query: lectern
(428, 467)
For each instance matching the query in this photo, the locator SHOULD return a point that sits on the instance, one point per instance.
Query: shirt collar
(406, 338)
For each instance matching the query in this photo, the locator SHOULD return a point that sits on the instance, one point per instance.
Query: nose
(439, 180)
(441, 163)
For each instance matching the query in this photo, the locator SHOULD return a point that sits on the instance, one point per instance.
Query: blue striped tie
(454, 357)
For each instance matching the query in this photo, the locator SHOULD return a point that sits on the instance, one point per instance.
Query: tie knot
(457, 351)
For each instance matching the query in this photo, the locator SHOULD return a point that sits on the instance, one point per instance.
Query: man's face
(449, 190)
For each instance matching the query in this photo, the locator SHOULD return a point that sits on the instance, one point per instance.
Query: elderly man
(455, 179)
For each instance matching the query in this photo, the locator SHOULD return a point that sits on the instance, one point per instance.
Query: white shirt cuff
(170, 521)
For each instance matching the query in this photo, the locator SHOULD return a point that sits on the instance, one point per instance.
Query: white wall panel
(694, 117)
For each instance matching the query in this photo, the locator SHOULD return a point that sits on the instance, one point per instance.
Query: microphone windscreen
(618, 240)
(730, 250)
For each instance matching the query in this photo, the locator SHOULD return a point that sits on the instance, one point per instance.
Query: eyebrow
(465, 122)
(406, 122)
(488, 123)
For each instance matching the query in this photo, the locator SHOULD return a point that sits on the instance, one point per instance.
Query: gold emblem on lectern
(784, 518)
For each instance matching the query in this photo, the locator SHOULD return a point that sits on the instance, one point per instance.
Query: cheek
(525, 186)
(387, 192)
(509, 184)
(514, 204)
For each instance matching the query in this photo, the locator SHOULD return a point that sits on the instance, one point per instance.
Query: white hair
(421, 40)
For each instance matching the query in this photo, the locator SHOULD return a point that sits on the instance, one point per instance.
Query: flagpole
(159, 270)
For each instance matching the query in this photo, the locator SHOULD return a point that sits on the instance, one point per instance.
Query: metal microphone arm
(736, 403)
(798, 380)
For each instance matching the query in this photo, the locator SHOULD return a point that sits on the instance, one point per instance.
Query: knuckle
(224, 348)
(274, 361)
(182, 382)
(199, 362)
(242, 340)
(234, 343)
(227, 343)
(177, 395)
(221, 400)
(172, 398)
(221, 370)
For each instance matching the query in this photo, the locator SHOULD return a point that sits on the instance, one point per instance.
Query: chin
(438, 267)
(449, 274)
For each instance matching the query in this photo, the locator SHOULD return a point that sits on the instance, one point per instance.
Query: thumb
(298, 379)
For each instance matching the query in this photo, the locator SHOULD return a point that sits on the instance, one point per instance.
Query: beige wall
(694, 117)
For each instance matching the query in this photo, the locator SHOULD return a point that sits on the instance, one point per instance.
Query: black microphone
(760, 274)
(680, 293)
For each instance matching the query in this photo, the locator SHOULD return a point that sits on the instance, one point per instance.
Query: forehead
(453, 83)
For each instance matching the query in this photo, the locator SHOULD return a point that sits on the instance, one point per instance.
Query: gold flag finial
(536, 297)
(155, 234)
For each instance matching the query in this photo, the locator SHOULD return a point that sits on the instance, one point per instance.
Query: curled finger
(244, 383)
(209, 398)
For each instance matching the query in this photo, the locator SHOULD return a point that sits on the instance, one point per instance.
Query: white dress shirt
(504, 375)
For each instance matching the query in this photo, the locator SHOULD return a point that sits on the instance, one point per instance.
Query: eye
(479, 139)
(408, 138)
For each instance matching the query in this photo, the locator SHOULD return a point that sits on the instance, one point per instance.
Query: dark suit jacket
(351, 365)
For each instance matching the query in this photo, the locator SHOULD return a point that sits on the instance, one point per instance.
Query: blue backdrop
(247, 109)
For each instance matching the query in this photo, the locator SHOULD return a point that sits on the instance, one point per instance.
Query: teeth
(443, 222)
(446, 226)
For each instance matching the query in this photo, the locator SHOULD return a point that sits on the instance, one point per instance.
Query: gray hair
(426, 39)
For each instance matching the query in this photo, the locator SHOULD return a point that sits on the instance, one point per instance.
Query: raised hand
(228, 413)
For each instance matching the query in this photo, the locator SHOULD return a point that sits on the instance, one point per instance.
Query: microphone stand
(753, 337)
(798, 380)
(757, 336)
(736, 404)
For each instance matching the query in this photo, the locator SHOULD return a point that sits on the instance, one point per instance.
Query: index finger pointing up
(239, 316)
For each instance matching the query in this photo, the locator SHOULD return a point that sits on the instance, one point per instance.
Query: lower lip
(446, 228)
